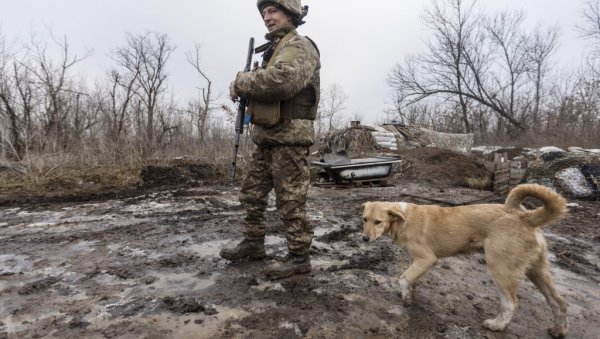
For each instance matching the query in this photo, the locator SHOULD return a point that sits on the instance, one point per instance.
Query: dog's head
(379, 217)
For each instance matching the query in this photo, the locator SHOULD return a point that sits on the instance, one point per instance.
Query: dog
(508, 234)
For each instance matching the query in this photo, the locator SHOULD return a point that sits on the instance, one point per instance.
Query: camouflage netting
(357, 142)
(575, 175)
(456, 142)
(367, 141)
(412, 136)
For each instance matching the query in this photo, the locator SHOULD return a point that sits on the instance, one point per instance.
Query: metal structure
(357, 170)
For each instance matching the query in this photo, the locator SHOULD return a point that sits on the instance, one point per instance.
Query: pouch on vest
(266, 114)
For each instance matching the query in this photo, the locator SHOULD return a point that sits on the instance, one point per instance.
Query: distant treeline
(489, 75)
(479, 73)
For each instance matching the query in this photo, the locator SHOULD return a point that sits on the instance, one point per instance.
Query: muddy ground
(147, 266)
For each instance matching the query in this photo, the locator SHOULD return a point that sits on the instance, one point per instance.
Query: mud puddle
(148, 266)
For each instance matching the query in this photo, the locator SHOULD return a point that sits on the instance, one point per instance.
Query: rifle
(241, 111)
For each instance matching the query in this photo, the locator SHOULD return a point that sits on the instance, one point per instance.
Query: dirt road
(148, 267)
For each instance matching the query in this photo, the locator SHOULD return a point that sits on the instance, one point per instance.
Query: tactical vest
(303, 105)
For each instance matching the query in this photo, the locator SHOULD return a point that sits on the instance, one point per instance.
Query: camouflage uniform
(280, 154)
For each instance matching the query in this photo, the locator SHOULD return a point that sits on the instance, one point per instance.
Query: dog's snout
(366, 238)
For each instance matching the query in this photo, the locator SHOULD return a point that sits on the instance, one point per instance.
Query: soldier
(283, 94)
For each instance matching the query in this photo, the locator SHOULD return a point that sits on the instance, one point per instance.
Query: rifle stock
(241, 111)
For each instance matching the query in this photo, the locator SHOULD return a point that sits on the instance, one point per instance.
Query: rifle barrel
(241, 111)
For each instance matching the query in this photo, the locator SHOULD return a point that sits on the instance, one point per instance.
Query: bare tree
(8, 102)
(144, 57)
(28, 98)
(590, 25)
(540, 47)
(200, 109)
(579, 104)
(122, 89)
(479, 62)
(169, 122)
(452, 27)
(52, 77)
(505, 34)
(85, 111)
(331, 105)
(442, 70)
(589, 29)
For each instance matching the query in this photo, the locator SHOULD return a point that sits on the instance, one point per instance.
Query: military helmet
(294, 7)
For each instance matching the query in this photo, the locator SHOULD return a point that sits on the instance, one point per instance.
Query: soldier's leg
(253, 196)
(291, 177)
(254, 193)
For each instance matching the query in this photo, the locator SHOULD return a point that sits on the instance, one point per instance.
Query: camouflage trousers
(285, 169)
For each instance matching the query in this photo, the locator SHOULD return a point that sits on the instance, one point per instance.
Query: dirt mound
(102, 182)
(174, 173)
(65, 184)
(443, 168)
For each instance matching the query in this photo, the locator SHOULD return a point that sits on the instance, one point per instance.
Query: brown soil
(147, 265)
(442, 168)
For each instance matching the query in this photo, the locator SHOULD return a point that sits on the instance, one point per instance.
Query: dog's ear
(364, 204)
(396, 214)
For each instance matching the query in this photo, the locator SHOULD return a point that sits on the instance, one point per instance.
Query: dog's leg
(506, 271)
(539, 274)
(418, 267)
(508, 301)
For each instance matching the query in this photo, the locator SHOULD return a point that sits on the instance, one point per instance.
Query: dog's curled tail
(554, 206)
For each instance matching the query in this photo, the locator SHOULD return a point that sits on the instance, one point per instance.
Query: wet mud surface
(148, 266)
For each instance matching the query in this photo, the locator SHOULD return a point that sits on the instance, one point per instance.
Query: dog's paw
(407, 299)
(406, 292)
(493, 325)
(558, 331)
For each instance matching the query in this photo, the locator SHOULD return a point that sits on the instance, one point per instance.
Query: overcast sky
(360, 41)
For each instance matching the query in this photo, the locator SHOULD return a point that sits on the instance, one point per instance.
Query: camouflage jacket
(294, 80)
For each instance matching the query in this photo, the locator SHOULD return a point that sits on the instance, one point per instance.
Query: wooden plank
(503, 166)
(500, 157)
(490, 166)
(516, 177)
(502, 189)
(502, 178)
(502, 175)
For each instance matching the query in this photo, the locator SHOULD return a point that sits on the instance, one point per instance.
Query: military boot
(247, 249)
(290, 265)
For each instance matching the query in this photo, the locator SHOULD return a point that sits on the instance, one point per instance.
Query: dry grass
(43, 174)
(104, 167)
(217, 153)
(480, 182)
(66, 180)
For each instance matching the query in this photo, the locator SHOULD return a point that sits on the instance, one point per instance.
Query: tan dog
(509, 235)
